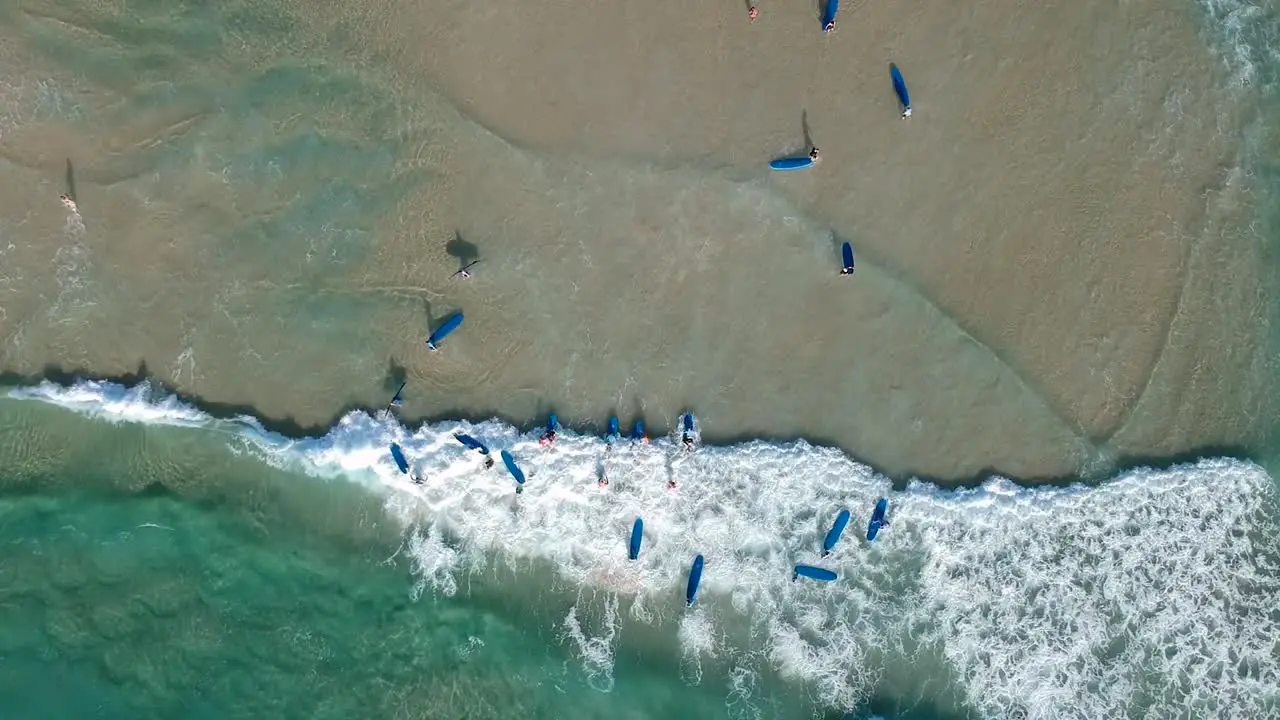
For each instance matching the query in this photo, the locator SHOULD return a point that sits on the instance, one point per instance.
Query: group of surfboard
(688, 435)
(800, 162)
(878, 522)
(688, 440)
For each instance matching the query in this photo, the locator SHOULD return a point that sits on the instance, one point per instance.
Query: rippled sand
(1053, 269)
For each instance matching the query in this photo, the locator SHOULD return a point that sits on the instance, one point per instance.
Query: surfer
(398, 399)
(465, 272)
(813, 155)
(71, 204)
(603, 482)
(686, 436)
(753, 13)
(548, 438)
(829, 27)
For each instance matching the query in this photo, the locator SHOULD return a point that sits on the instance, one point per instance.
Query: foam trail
(1150, 595)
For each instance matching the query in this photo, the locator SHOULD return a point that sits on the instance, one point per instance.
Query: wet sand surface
(1054, 267)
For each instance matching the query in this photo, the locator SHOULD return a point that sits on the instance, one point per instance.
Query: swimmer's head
(906, 113)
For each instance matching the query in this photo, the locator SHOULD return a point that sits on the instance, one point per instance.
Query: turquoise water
(161, 561)
(176, 580)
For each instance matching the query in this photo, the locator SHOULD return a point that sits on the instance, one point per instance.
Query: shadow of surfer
(808, 137)
(468, 255)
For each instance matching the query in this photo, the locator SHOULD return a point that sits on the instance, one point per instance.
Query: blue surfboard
(637, 430)
(877, 519)
(900, 87)
(792, 163)
(612, 435)
(512, 468)
(813, 573)
(637, 535)
(553, 423)
(695, 578)
(688, 422)
(833, 535)
(846, 254)
(448, 326)
(829, 14)
(471, 442)
(398, 455)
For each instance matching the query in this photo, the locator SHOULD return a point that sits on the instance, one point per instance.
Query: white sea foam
(1151, 595)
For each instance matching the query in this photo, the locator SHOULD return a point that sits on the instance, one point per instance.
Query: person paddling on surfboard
(846, 252)
(549, 437)
(687, 436)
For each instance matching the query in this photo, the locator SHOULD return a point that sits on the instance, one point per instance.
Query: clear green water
(149, 573)
(146, 572)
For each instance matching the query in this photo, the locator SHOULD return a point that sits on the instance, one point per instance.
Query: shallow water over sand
(1054, 262)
